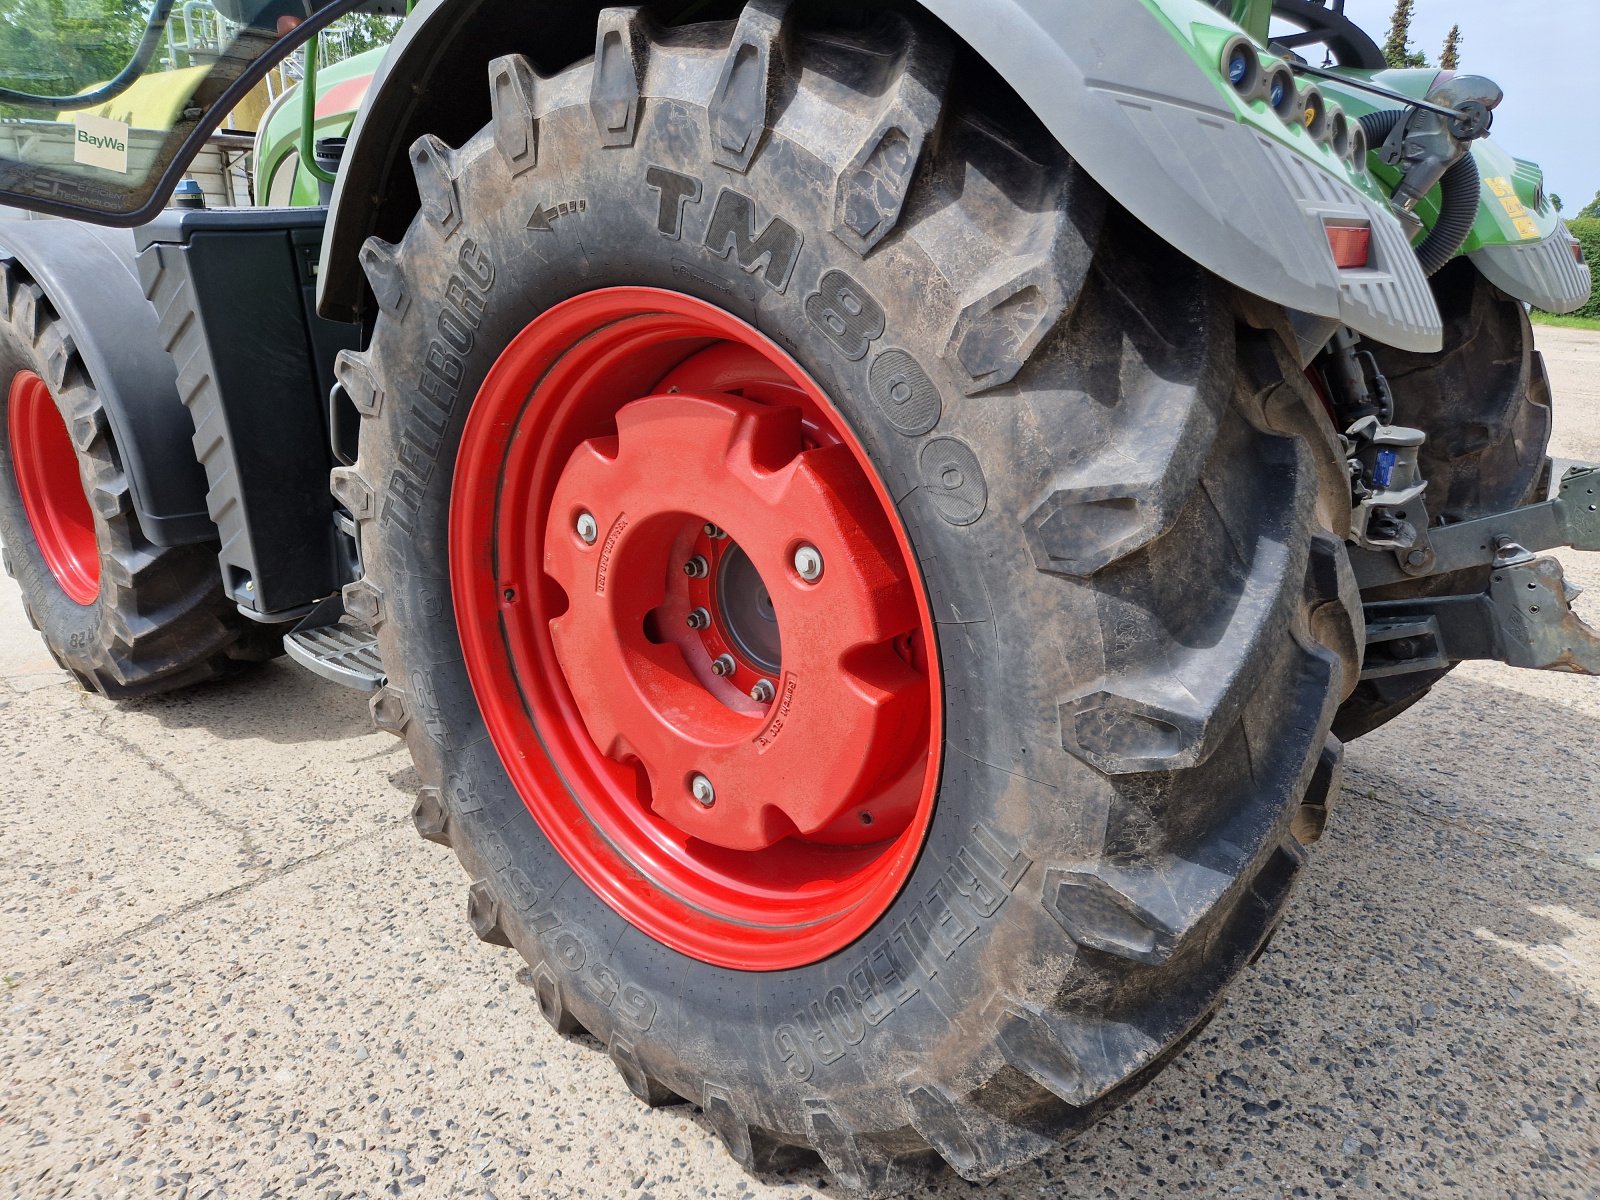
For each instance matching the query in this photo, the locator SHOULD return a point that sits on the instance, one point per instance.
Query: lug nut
(697, 567)
(714, 532)
(700, 788)
(808, 563)
(698, 618)
(723, 664)
(763, 691)
(587, 529)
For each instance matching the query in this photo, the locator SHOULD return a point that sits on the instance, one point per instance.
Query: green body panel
(1254, 17)
(339, 91)
(1205, 32)
(1513, 207)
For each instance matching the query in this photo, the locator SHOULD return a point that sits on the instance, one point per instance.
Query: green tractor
(873, 520)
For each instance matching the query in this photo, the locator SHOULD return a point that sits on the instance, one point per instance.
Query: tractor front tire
(1016, 474)
(126, 617)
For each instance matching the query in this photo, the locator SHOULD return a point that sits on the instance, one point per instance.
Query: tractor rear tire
(1120, 503)
(1484, 402)
(125, 617)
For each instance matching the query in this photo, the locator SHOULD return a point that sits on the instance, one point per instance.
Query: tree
(58, 47)
(1450, 56)
(1397, 51)
(62, 47)
(1591, 209)
(367, 31)
(1557, 201)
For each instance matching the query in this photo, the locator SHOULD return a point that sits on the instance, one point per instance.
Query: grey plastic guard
(1544, 274)
(1131, 105)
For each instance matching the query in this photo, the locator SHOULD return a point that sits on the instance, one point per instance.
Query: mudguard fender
(1122, 87)
(89, 275)
(1131, 88)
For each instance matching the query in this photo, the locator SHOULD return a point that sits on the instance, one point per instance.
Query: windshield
(100, 99)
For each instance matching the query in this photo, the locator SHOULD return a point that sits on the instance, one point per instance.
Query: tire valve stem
(697, 567)
(700, 788)
(763, 691)
(722, 665)
(698, 618)
(587, 528)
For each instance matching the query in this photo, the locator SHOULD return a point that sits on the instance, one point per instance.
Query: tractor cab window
(102, 102)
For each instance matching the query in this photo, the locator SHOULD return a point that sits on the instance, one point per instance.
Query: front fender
(92, 281)
(1132, 89)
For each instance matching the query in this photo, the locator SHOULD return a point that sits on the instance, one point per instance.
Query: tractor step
(345, 652)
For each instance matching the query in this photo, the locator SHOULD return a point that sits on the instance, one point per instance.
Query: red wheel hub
(46, 467)
(693, 624)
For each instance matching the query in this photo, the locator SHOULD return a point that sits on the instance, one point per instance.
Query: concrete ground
(232, 969)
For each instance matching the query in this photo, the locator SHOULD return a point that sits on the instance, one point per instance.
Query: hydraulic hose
(1458, 196)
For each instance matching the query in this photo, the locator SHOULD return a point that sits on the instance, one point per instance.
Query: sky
(1544, 54)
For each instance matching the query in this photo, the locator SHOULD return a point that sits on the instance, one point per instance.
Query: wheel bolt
(808, 563)
(588, 530)
(714, 532)
(723, 664)
(763, 691)
(700, 788)
(697, 567)
(698, 618)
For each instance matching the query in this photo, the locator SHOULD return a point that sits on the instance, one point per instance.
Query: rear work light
(1351, 245)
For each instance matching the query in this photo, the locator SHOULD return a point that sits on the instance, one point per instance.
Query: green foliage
(1591, 209)
(1450, 56)
(1397, 50)
(1592, 324)
(1557, 201)
(366, 31)
(58, 47)
(1587, 231)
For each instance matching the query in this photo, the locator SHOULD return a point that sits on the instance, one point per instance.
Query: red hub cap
(46, 466)
(693, 624)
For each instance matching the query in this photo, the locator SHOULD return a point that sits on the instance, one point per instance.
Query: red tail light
(1351, 245)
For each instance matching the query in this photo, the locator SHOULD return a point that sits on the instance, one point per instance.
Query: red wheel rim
(46, 466)
(623, 440)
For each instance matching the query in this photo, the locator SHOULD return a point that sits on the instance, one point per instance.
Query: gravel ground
(232, 969)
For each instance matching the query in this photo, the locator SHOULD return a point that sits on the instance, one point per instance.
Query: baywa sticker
(99, 142)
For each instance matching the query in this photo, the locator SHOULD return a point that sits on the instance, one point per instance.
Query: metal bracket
(1524, 619)
(1388, 512)
(1400, 643)
(1572, 518)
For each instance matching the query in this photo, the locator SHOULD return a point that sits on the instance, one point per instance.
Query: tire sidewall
(67, 626)
(923, 983)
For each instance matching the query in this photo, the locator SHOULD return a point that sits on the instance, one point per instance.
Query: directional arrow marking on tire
(542, 216)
